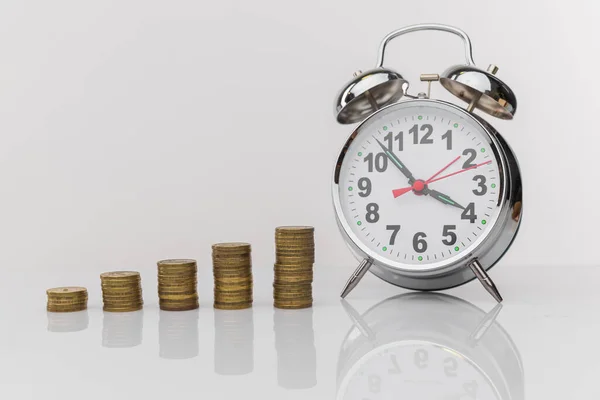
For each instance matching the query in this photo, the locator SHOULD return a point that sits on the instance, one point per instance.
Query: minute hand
(399, 164)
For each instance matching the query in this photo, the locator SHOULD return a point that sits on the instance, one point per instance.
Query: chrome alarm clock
(428, 346)
(427, 193)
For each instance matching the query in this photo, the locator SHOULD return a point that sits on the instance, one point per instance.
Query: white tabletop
(382, 343)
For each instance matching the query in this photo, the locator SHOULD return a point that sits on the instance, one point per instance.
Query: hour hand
(443, 198)
(399, 164)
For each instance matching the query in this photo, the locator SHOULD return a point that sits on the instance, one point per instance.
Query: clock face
(420, 185)
(416, 370)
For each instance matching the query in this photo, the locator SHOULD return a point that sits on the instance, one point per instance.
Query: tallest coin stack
(295, 256)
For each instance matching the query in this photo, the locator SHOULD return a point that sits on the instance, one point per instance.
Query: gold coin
(178, 307)
(294, 229)
(177, 262)
(302, 240)
(120, 275)
(179, 296)
(234, 306)
(176, 269)
(61, 310)
(293, 278)
(123, 309)
(232, 248)
(122, 293)
(67, 291)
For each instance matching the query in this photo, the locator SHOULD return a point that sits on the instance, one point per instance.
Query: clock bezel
(487, 250)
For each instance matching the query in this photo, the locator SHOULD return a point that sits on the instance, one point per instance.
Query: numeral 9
(364, 184)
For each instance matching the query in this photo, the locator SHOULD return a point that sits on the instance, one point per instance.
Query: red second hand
(457, 172)
(443, 169)
(400, 192)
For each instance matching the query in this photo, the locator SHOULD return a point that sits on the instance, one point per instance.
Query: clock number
(395, 367)
(472, 154)
(448, 137)
(415, 132)
(421, 357)
(419, 243)
(395, 229)
(374, 383)
(469, 213)
(481, 188)
(425, 139)
(450, 367)
(372, 215)
(398, 138)
(380, 162)
(365, 185)
(451, 235)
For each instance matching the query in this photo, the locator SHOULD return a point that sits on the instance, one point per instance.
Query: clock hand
(443, 198)
(443, 169)
(400, 192)
(458, 172)
(399, 164)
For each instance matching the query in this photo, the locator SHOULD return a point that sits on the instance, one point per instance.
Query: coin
(67, 299)
(121, 291)
(232, 272)
(177, 284)
(293, 268)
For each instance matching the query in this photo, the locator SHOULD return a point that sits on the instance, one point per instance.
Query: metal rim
(488, 249)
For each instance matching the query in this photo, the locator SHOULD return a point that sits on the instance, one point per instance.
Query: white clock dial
(420, 185)
(416, 370)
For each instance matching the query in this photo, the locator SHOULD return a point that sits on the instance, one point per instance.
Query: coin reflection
(67, 321)
(426, 345)
(122, 329)
(178, 334)
(295, 346)
(234, 341)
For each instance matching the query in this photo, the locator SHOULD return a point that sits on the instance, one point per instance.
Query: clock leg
(485, 280)
(356, 276)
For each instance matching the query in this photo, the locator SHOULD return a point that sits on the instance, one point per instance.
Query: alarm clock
(427, 193)
(428, 346)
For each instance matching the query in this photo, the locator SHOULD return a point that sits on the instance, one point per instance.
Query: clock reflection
(428, 346)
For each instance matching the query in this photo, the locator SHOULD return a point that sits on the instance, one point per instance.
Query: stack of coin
(232, 269)
(67, 299)
(122, 291)
(295, 255)
(177, 285)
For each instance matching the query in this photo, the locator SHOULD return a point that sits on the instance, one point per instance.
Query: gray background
(139, 130)
(132, 131)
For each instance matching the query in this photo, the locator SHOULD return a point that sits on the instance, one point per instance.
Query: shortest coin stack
(232, 269)
(177, 285)
(122, 291)
(67, 299)
(295, 255)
